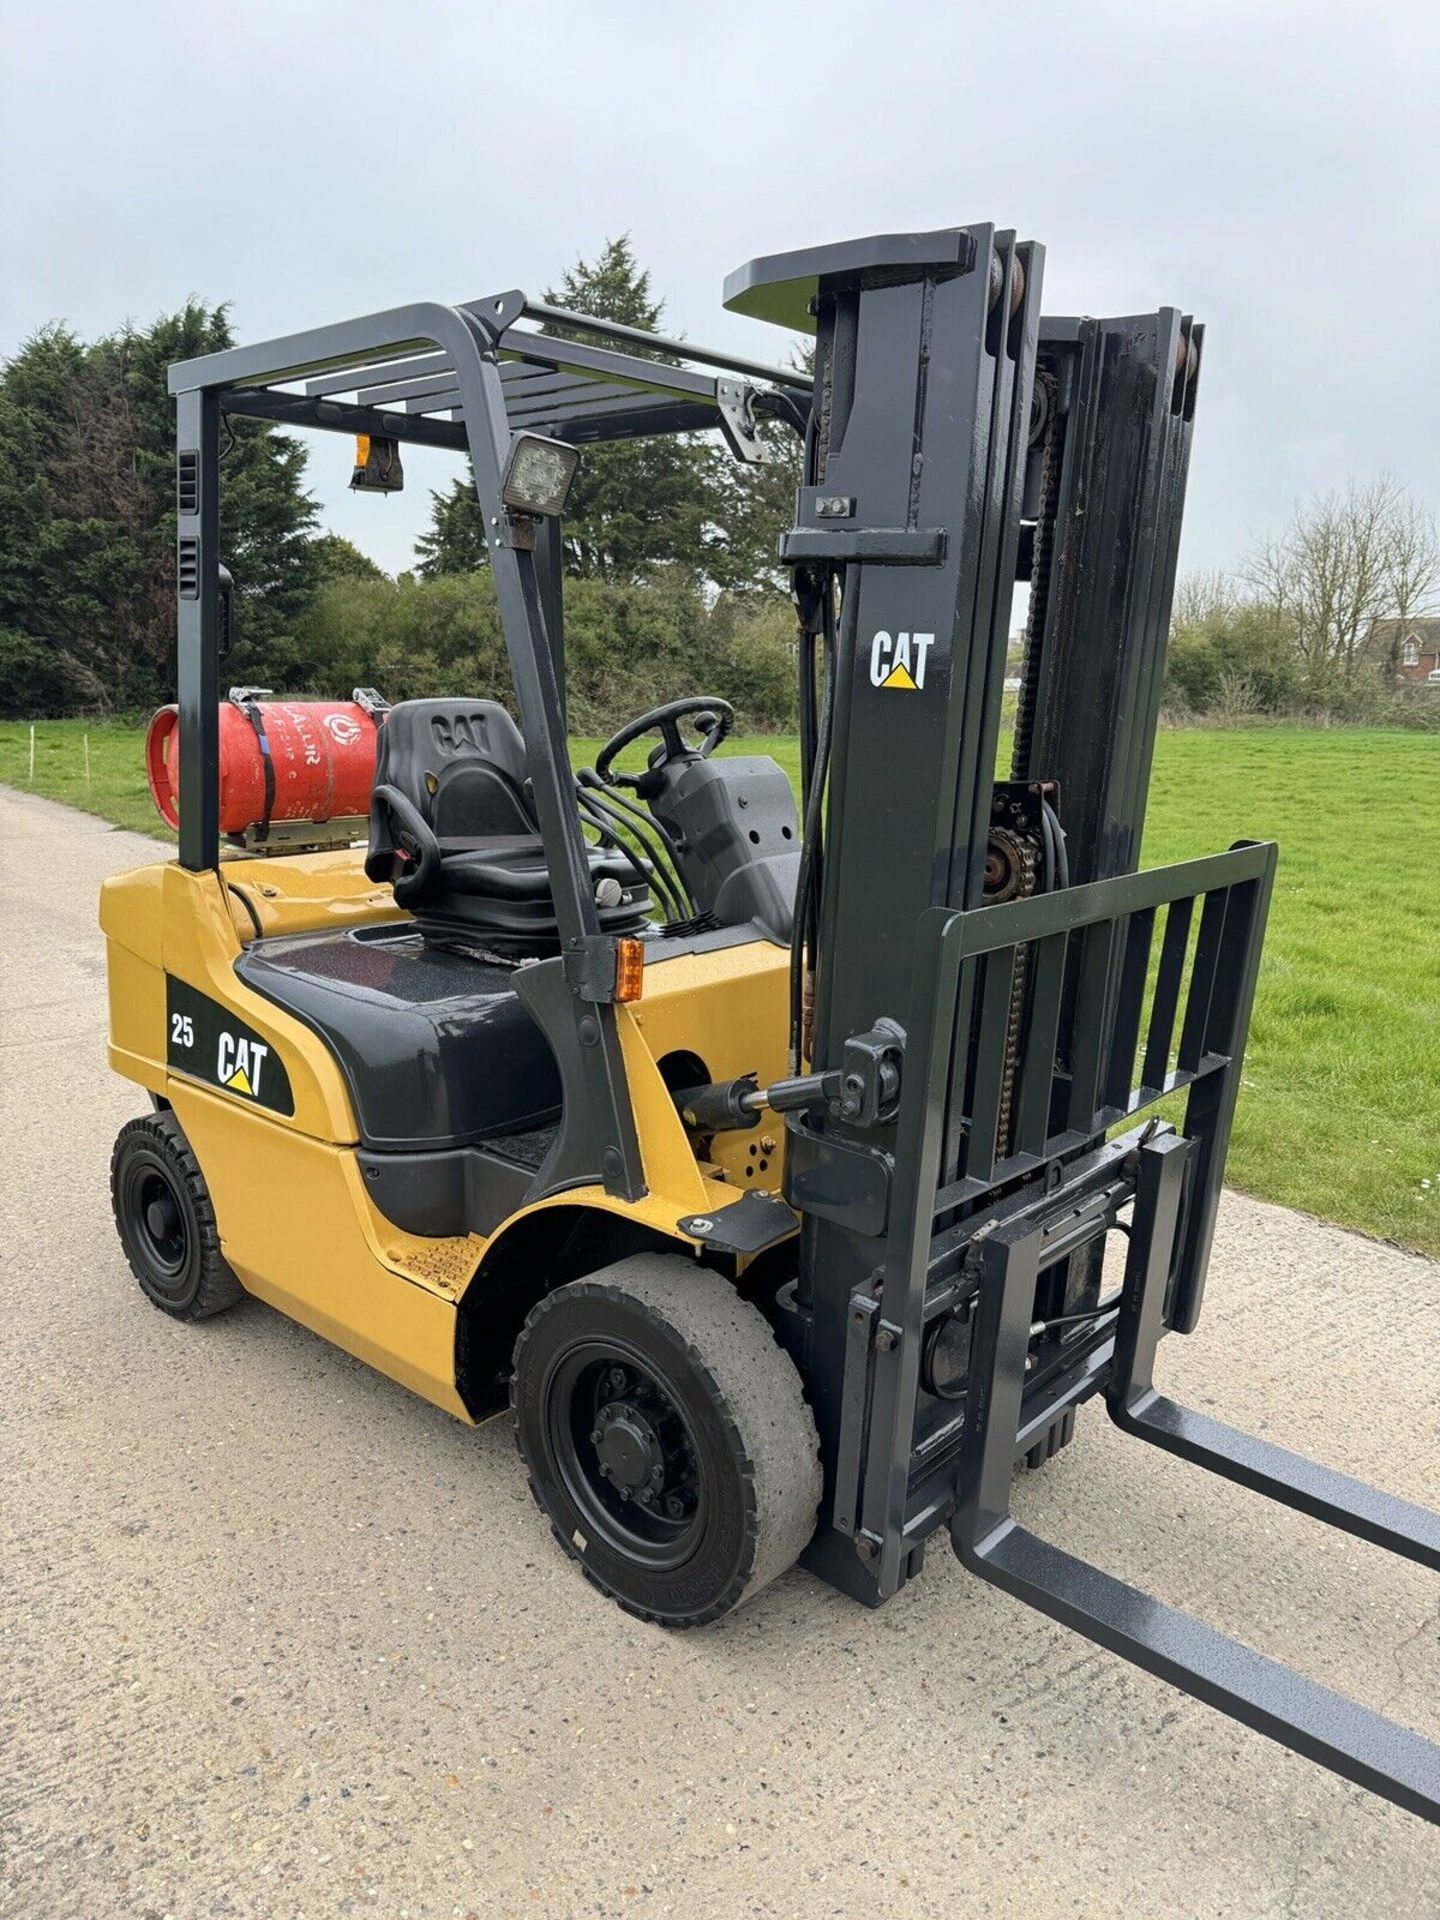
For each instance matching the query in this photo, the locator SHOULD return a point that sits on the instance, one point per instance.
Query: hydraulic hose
(673, 901)
(650, 877)
(1062, 851)
(804, 941)
(643, 826)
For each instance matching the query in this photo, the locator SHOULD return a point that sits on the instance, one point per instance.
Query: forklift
(763, 1160)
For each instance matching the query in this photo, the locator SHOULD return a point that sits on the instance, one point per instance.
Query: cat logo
(459, 732)
(897, 662)
(238, 1064)
(210, 1043)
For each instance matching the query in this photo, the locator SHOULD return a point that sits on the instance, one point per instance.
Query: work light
(538, 474)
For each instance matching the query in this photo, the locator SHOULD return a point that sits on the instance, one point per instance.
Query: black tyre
(166, 1222)
(666, 1437)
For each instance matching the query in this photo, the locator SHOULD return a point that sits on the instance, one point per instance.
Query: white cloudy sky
(1273, 167)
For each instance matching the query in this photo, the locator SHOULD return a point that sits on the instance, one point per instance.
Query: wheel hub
(625, 1452)
(162, 1217)
(631, 1453)
(160, 1223)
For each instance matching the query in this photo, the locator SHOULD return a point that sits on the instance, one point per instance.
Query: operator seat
(453, 828)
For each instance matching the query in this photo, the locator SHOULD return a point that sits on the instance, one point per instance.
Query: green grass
(1340, 1113)
(116, 789)
(1340, 1108)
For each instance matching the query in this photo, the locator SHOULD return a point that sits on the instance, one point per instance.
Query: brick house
(1410, 649)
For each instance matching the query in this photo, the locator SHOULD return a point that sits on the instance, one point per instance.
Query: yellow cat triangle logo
(901, 678)
(240, 1080)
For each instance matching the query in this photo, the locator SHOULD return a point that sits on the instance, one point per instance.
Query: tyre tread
(760, 1400)
(218, 1289)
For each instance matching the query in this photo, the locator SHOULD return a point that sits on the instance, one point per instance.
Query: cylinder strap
(253, 714)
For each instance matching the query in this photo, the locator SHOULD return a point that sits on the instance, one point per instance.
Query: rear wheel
(666, 1437)
(166, 1222)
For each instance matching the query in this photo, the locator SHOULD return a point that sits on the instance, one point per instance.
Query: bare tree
(1202, 595)
(1346, 562)
(1413, 567)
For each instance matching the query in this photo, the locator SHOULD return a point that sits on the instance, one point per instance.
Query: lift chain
(1042, 555)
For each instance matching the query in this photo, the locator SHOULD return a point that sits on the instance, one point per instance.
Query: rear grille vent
(187, 483)
(189, 568)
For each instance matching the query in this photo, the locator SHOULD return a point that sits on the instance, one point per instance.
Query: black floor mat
(525, 1149)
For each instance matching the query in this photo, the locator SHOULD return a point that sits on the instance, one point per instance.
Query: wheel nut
(596, 1437)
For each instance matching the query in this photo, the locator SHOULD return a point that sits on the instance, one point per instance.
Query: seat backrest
(460, 763)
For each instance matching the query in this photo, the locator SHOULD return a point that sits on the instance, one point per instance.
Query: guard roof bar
(357, 344)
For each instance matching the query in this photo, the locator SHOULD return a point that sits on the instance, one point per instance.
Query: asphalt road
(278, 1639)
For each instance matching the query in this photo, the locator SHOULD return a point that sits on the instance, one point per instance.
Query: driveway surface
(278, 1639)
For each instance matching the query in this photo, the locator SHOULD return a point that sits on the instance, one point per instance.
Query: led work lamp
(538, 474)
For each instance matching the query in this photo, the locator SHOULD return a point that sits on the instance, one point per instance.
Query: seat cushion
(518, 871)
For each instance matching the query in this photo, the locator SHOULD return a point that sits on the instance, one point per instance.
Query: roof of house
(1426, 631)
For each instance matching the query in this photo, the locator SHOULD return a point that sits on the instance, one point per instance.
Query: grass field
(1341, 1109)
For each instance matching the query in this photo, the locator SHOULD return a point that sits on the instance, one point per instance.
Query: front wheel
(666, 1438)
(166, 1221)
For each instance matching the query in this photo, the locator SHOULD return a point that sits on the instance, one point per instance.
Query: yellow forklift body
(296, 1222)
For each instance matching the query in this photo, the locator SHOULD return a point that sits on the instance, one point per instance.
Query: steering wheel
(713, 720)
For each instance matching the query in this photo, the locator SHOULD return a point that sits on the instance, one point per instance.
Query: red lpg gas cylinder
(279, 760)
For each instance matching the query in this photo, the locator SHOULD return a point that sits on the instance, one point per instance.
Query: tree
(635, 504)
(1413, 570)
(87, 463)
(1228, 656)
(638, 505)
(1346, 561)
(455, 539)
(70, 564)
(35, 676)
(1202, 595)
(337, 558)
